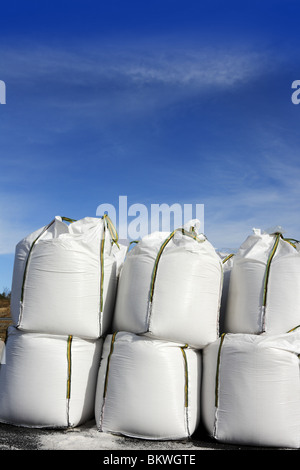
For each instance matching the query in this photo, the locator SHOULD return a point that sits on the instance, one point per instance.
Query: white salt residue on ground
(87, 437)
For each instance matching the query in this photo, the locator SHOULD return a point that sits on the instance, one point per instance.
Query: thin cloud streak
(117, 68)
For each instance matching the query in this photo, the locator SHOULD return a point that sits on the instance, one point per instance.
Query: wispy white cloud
(192, 68)
(231, 215)
(145, 69)
(141, 63)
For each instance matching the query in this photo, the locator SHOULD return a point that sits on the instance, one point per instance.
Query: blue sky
(163, 101)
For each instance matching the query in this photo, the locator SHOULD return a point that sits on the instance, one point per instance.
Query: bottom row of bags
(243, 388)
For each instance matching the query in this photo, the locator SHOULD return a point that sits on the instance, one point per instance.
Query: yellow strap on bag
(227, 258)
(217, 381)
(112, 343)
(114, 236)
(186, 396)
(112, 230)
(192, 234)
(69, 359)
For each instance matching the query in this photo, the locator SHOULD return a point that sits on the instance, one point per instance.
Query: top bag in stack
(65, 278)
(170, 288)
(264, 289)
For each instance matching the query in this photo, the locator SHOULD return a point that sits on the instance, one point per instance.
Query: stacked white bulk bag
(148, 388)
(251, 388)
(264, 290)
(170, 288)
(48, 380)
(65, 278)
(63, 295)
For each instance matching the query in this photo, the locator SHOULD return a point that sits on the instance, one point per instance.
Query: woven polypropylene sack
(170, 289)
(264, 289)
(65, 279)
(251, 388)
(48, 380)
(148, 388)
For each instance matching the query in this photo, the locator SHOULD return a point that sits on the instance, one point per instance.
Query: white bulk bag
(65, 278)
(48, 380)
(251, 388)
(148, 388)
(264, 290)
(170, 288)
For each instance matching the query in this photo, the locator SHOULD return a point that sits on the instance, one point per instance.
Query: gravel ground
(87, 437)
